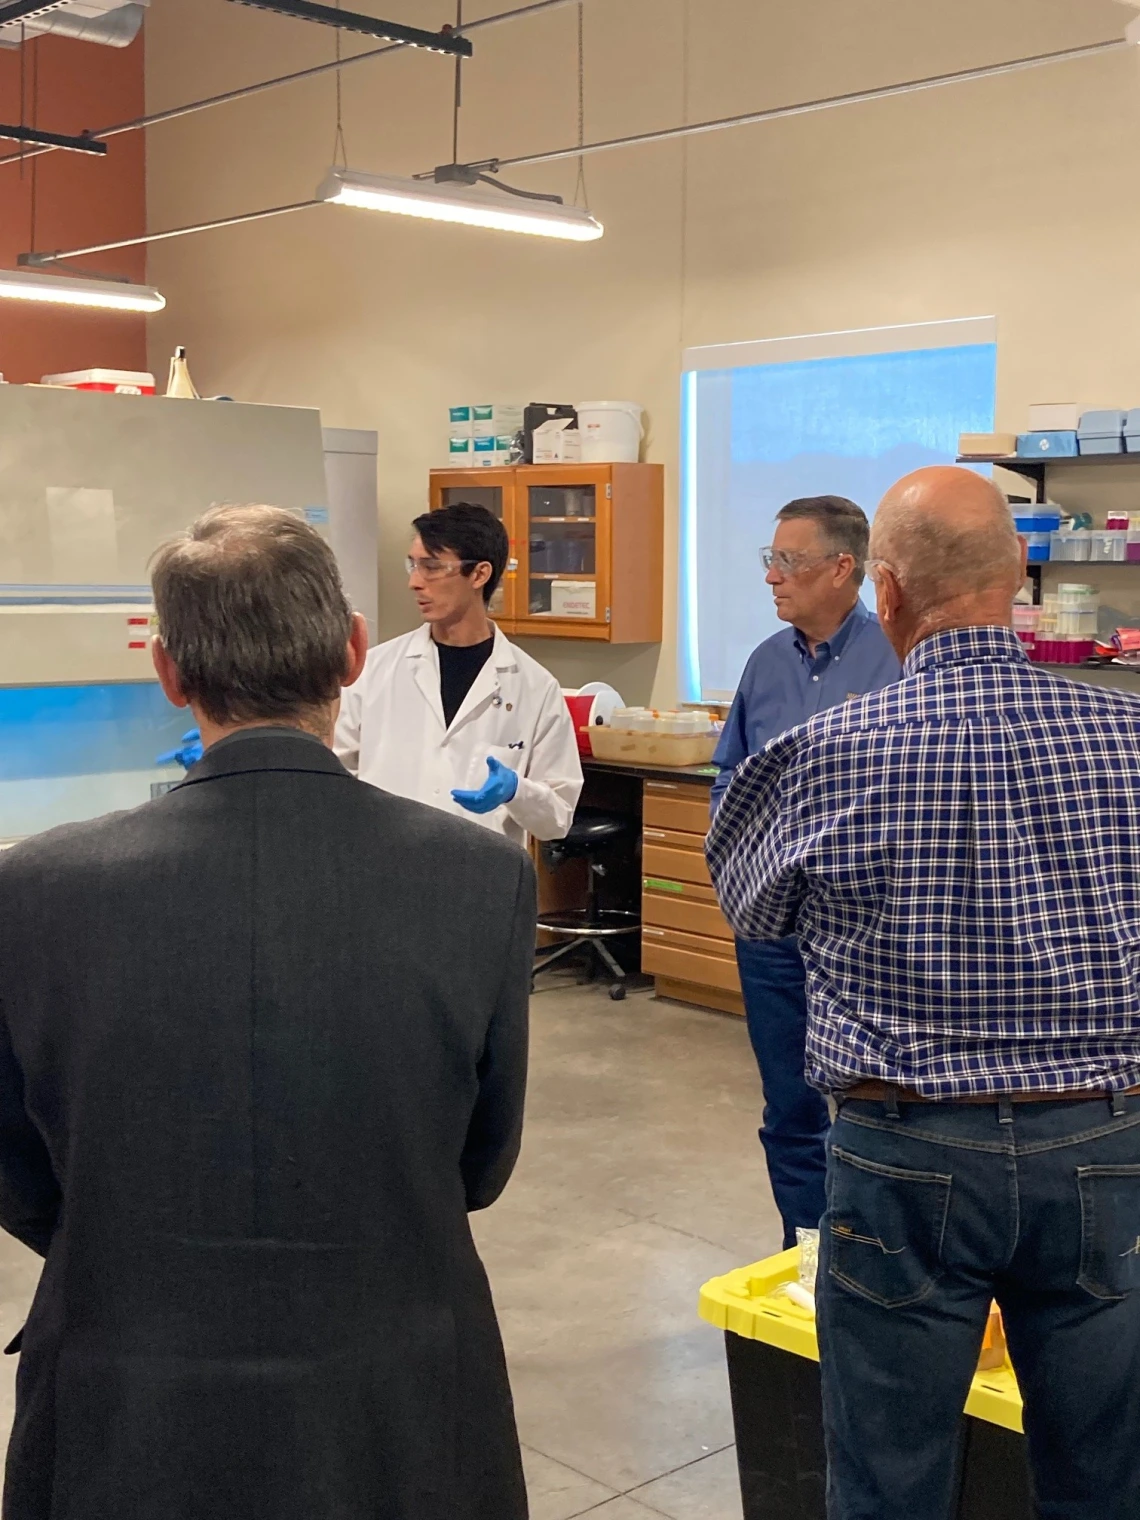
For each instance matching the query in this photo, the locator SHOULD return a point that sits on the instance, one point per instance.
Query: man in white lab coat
(454, 715)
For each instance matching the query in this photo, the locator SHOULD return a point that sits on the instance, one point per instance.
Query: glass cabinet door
(562, 540)
(492, 497)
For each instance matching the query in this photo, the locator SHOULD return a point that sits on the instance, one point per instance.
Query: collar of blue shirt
(835, 645)
(989, 645)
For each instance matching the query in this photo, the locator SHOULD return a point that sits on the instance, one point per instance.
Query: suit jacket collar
(265, 749)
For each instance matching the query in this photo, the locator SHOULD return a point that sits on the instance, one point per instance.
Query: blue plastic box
(1132, 431)
(1046, 445)
(1101, 432)
(1037, 528)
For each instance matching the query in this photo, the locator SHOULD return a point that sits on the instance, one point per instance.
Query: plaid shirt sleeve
(750, 849)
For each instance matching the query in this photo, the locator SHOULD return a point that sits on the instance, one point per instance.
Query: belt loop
(1005, 1110)
(1119, 1107)
(891, 1104)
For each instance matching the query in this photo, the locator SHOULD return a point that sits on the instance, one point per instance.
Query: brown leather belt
(883, 1092)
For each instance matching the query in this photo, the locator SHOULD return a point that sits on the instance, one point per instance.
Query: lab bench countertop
(700, 775)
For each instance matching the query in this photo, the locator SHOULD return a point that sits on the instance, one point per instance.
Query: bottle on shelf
(180, 384)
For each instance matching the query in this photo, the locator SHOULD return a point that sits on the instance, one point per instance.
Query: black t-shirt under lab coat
(458, 667)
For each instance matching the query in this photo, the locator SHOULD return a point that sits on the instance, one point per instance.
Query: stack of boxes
(1060, 430)
(1062, 630)
(484, 435)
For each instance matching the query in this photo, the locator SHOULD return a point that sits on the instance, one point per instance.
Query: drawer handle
(657, 933)
(654, 833)
(662, 786)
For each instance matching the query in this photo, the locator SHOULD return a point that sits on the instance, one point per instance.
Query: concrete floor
(641, 1176)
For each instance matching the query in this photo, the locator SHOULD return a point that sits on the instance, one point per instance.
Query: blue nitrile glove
(189, 752)
(500, 786)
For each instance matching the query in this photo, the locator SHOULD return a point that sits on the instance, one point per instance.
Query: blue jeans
(930, 1215)
(796, 1118)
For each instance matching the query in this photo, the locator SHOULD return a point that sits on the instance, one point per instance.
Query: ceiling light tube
(62, 290)
(450, 203)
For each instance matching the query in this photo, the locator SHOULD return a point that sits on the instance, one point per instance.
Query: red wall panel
(79, 199)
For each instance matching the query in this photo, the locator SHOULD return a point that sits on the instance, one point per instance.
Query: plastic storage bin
(1132, 431)
(1036, 527)
(1101, 432)
(771, 1348)
(1108, 548)
(611, 431)
(1073, 544)
(1132, 546)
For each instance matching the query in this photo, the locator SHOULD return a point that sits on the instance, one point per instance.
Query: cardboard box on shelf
(987, 445)
(573, 599)
(459, 421)
(117, 382)
(556, 442)
(494, 419)
(1054, 417)
(1060, 445)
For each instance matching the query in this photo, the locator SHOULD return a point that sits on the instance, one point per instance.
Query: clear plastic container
(1026, 617)
(1077, 624)
(1072, 545)
(1132, 546)
(1108, 547)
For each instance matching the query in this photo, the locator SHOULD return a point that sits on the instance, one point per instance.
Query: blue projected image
(754, 438)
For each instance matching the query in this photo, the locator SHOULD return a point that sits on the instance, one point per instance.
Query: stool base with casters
(589, 931)
(590, 927)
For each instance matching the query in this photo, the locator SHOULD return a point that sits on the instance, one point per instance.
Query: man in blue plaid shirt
(960, 856)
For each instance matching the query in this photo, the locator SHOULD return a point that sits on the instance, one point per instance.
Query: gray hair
(842, 526)
(253, 614)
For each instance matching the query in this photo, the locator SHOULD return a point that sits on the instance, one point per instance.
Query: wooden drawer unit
(676, 905)
(685, 941)
(674, 857)
(685, 958)
(673, 805)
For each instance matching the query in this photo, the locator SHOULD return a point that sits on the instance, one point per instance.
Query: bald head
(947, 540)
(948, 533)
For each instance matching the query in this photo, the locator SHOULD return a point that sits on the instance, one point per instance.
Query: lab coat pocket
(510, 755)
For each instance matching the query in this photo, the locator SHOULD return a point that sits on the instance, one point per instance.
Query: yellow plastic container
(750, 1304)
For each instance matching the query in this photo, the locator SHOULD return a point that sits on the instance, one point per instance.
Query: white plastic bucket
(611, 431)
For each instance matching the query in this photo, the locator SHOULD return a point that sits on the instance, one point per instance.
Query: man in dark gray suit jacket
(262, 1047)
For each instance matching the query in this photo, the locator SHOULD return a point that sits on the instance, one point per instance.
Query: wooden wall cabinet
(600, 524)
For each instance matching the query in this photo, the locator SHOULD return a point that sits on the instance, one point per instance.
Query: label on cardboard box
(459, 451)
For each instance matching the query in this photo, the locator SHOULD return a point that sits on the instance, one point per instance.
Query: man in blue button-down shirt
(834, 650)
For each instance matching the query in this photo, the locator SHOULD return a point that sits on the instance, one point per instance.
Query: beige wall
(1014, 197)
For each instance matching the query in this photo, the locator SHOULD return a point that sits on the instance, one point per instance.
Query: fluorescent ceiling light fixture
(447, 41)
(61, 290)
(449, 203)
